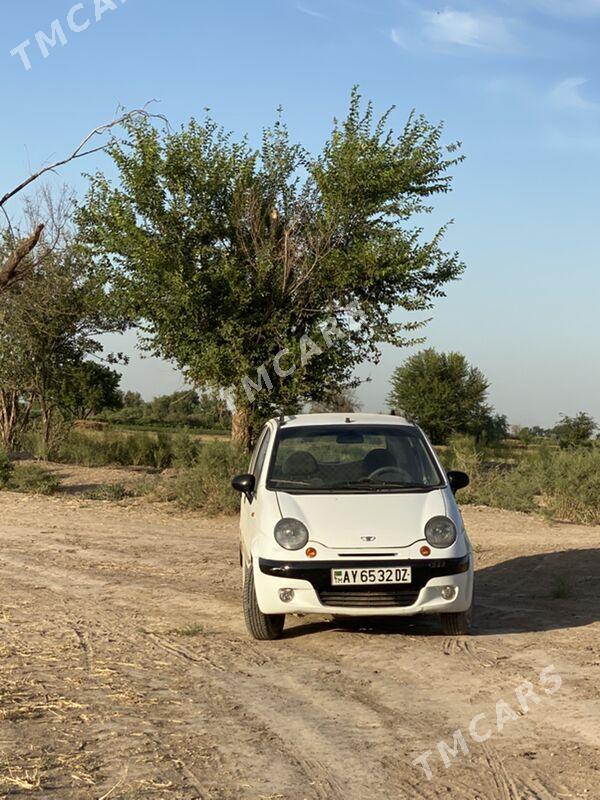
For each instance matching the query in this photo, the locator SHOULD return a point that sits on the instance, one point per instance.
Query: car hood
(343, 520)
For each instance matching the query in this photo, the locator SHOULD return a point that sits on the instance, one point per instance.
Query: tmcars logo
(78, 19)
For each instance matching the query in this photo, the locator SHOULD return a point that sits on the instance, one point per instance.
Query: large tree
(48, 326)
(231, 257)
(444, 394)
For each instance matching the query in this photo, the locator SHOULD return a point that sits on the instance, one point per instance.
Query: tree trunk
(8, 419)
(46, 414)
(241, 427)
(14, 416)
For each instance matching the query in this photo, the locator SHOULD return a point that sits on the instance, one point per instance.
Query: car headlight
(291, 534)
(440, 532)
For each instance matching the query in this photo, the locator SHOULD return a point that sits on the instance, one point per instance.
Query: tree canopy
(576, 431)
(48, 327)
(230, 257)
(445, 395)
(86, 388)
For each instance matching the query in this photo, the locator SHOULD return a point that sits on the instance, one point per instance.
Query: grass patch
(32, 479)
(189, 630)
(109, 491)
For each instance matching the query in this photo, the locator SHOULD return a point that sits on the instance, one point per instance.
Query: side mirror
(458, 480)
(244, 484)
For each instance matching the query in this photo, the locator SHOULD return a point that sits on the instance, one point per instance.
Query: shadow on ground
(542, 592)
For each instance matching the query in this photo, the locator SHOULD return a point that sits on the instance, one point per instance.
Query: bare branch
(80, 150)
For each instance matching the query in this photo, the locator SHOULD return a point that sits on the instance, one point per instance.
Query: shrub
(463, 453)
(101, 449)
(6, 468)
(562, 483)
(571, 490)
(206, 485)
(185, 449)
(32, 479)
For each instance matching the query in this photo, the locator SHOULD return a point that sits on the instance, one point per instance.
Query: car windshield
(352, 458)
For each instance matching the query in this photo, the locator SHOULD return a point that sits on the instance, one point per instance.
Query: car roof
(305, 420)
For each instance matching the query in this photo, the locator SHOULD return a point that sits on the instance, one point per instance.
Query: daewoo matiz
(351, 515)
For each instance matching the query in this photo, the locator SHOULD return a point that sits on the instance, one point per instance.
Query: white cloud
(567, 96)
(311, 12)
(467, 29)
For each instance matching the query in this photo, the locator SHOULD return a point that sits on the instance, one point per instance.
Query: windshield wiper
(383, 485)
(275, 483)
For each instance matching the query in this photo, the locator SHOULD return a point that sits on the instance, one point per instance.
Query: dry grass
(25, 780)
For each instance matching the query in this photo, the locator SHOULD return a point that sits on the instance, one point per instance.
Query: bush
(206, 484)
(562, 483)
(101, 449)
(571, 490)
(6, 468)
(32, 479)
(185, 449)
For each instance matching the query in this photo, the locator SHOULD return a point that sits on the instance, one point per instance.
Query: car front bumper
(314, 593)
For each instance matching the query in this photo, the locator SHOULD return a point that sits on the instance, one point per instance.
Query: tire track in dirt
(385, 712)
(324, 714)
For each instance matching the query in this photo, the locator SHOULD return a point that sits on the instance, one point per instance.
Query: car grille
(382, 598)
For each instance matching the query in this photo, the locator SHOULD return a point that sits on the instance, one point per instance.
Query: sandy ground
(126, 671)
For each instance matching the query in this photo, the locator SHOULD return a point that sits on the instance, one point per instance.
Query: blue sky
(518, 81)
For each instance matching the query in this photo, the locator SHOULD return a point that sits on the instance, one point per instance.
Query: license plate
(370, 577)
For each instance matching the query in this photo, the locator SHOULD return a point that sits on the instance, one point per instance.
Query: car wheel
(457, 624)
(260, 626)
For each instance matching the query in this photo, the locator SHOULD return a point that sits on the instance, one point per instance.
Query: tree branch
(80, 150)
(8, 273)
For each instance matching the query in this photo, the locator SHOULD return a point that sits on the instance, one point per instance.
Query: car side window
(261, 455)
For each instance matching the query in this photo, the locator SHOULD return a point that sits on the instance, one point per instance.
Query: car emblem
(368, 538)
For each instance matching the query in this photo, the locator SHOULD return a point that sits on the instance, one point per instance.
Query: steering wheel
(403, 474)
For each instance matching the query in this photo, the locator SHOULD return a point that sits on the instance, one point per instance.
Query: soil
(126, 671)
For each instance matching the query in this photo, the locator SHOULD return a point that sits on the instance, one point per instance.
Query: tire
(264, 627)
(457, 624)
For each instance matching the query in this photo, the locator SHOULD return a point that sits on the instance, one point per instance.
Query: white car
(351, 515)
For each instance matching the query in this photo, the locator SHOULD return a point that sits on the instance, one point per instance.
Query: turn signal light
(311, 552)
(425, 551)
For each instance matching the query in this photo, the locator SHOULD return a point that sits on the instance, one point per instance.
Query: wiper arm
(384, 485)
(276, 482)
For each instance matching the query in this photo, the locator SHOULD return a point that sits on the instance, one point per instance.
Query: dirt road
(126, 671)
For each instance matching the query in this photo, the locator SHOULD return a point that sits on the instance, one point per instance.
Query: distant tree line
(569, 432)
(446, 395)
(207, 410)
